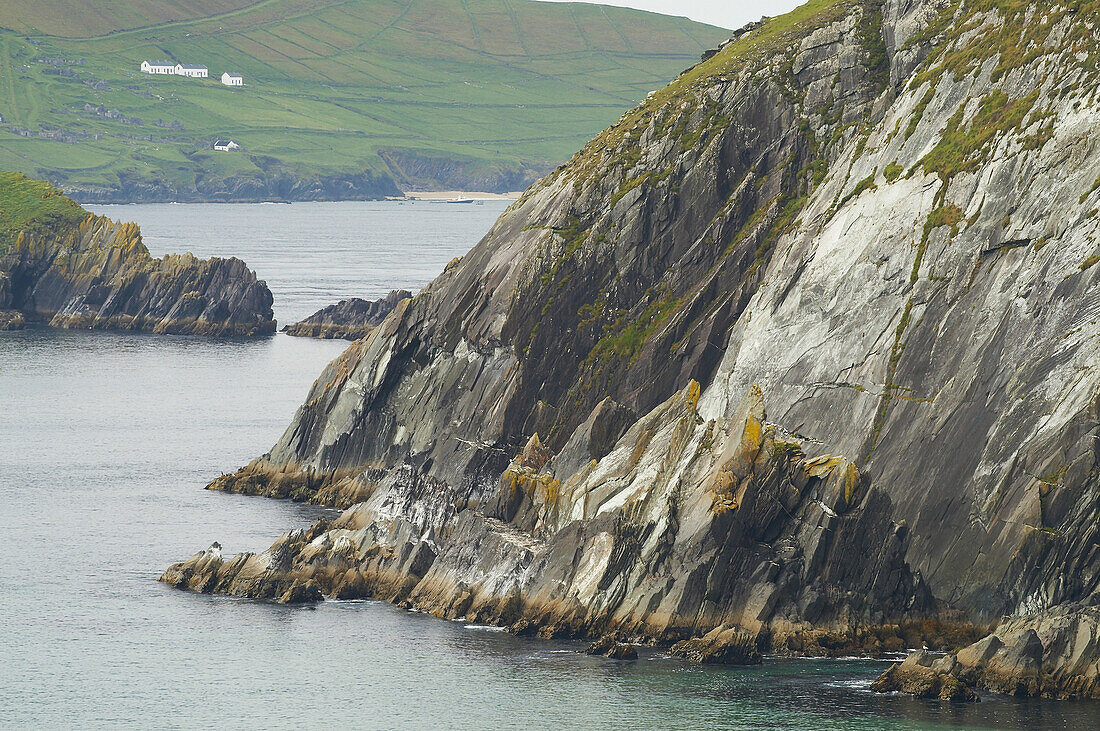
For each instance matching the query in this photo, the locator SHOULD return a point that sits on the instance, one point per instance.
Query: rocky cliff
(62, 265)
(349, 319)
(883, 215)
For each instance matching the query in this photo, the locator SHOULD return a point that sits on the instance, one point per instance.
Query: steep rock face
(349, 319)
(937, 320)
(683, 527)
(95, 273)
(882, 213)
(617, 276)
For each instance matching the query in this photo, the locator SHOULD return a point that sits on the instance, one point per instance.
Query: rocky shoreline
(1052, 654)
(517, 561)
(275, 186)
(405, 170)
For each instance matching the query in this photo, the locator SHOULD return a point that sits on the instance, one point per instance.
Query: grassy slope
(83, 18)
(499, 83)
(27, 204)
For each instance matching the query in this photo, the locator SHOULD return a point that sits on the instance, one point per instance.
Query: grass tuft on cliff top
(30, 205)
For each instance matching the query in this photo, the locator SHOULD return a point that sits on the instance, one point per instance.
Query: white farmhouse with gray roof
(195, 72)
(158, 67)
(230, 78)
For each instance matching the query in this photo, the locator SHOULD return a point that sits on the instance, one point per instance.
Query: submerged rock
(74, 269)
(349, 319)
(608, 646)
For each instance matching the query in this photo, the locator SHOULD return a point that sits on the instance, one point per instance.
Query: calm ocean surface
(106, 441)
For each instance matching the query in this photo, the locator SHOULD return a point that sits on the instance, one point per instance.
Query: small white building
(226, 145)
(158, 67)
(231, 79)
(194, 72)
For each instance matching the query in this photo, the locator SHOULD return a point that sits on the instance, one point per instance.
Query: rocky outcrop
(924, 676)
(1054, 654)
(12, 320)
(722, 645)
(349, 319)
(608, 646)
(93, 273)
(884, 215)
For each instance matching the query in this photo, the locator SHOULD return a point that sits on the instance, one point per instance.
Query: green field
(433, 93)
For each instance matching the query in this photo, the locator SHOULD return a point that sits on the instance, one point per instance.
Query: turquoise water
(106, 441)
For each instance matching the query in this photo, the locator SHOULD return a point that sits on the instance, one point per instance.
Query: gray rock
(12, 320)
(1055, 654)
(349, 319)
(722, 645)
(608, 646)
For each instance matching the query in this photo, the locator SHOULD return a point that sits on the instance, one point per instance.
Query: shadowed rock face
(1055, 654)
(98, 275)
(883, 214)
(349, 319)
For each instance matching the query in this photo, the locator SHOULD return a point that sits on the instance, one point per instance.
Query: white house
(232, 79)
(225, 145)
(195, 72)
(158, 67)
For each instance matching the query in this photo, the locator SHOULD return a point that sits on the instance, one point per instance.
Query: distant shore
(450, 195)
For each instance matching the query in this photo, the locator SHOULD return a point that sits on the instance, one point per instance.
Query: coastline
(433, 196)
(452, 195)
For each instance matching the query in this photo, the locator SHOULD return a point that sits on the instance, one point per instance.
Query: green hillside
(30, 205)
(430, 93)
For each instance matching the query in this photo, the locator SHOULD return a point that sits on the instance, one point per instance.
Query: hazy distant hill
(343, 98)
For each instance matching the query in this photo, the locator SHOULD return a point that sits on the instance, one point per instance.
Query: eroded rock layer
(882, 213)
(348, 319)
